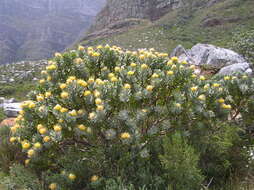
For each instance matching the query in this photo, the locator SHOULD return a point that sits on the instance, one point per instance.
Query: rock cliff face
(118, 10)
(34, 29)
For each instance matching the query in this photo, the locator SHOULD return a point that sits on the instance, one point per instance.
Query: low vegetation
(105, 118)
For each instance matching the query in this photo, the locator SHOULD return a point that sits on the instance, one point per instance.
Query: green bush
(180, 163)
(103, 113)
(243, 42)
(9, 152)
(2, 115)
(6, 90)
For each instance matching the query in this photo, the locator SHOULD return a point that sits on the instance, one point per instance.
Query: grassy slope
(184, 27)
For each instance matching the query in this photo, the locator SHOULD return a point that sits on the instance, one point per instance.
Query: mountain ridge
(33, 30)
(194, 21)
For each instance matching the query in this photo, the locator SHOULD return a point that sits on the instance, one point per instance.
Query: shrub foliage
(104, 117)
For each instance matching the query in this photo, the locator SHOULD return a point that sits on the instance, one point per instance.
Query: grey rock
(214, 57)
(178, 51)
(11, 109)
(236, 68)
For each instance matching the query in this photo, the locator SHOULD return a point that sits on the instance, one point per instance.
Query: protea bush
(103, 115)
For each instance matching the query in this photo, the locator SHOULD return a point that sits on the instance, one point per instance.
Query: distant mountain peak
(35, 29)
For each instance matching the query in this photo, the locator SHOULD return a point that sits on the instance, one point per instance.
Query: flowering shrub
(102, 113)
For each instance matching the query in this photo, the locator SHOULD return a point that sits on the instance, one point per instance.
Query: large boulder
(236, 68)
(210, 57)
(214, 57)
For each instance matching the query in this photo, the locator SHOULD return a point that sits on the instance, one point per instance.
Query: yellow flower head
(216, 85)
(202, 97)
(144, 66)
(244, 76)
(42, 81)
(127, 86)
(125, 135)
(170, 62)
(130, 73)
(71, 79)
(193, 67)
(43, 72)
(80, 112)
(206, 86)
(46, 139)
(64, 95)
(57, 128)
(27, 161)
(117, 69)
(178, 105)
(30, 153)
(37, 145)
(99, 47)
(226, 78)
(82, 83)
(170, 73)
(31, 105)
(51, 67)
(221, 100)
(100, 108)
(40, 126)
(155, 75)
(78, 60)
(142, 56)
(94, 178)
(226, 106)
(73, 113)
(96, 54)
(113, 79)
(133, 64)
(82, 127)
(202, 77)
(26, 145)
(48, 94)
(149, 88)
(58, 54)
(193, 76)
(90, 80)
(12, 139)
(81, 48)
(92, 115)
(98, 101)
(96, 93)
(43, 130)
(184, 62)
(87, 93)
(62, 86)
(194, 88)
(63, 110)
(57, 107)
(174, 59)
(53, 186)
(72, 176)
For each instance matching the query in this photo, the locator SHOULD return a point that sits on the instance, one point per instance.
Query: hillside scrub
(243, 42)
(106, 118)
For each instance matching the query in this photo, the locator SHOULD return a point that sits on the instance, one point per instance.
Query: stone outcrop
(210, 57)
(10, 106)
(120, 15)
(118, 10)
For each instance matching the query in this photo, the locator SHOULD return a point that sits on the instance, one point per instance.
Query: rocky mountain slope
(34, 29)
(163, 24)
